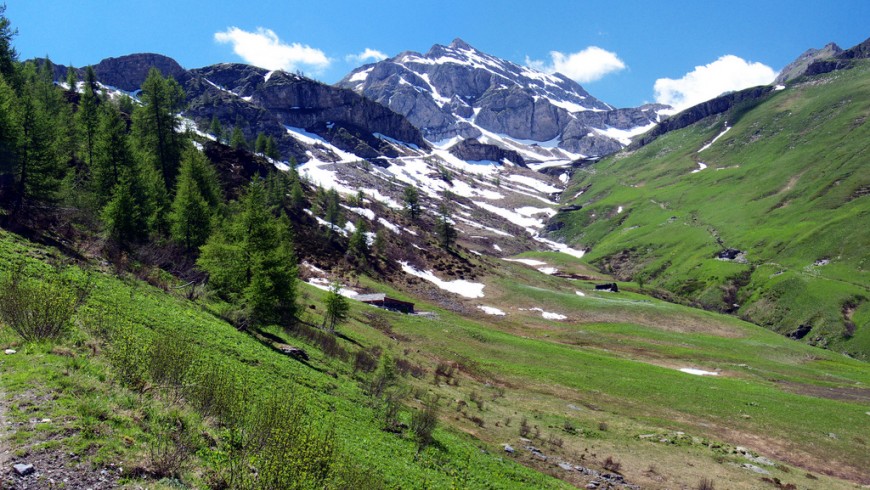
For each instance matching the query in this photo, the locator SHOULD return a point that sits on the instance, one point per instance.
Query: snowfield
(460, 286)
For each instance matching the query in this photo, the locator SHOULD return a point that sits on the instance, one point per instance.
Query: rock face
(825, 60)
(269, 102)
(799, 66)
(457, 90)
(260, 101)
(128, 72)
(711, 107)
(473, 150)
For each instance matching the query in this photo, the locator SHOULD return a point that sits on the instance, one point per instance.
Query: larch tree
(155, 124)
(191, 215)
(88, 116)
(336, 306)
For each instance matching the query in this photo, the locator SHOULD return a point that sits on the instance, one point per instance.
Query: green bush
(40, 308)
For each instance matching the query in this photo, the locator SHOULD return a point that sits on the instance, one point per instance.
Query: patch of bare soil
(52, 467)
(844, 393)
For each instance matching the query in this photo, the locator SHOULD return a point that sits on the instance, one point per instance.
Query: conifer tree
(215, 129)
(237, 139)
(88, 116)
(112, 155)
(297, 196)
(72, 79)
(251, 262)
(39, 171)
(8, 55)
(336, 307)
(332, 212)
(191, 214)
(9, 129)
(260, 144)
(358, 244)
(412, 202)
(444, 228)
(126, 215)
(271, 150)
(155, 124)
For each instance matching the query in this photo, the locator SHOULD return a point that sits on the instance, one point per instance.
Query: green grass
(104, 412)
(609, 372)
(780, 185)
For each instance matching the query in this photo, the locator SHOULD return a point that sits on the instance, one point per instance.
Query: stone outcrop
(128, 72)
(473, 150)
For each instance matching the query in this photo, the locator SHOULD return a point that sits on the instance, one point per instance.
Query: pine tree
(8, 55)
(128, 215)
(251, 262)
(155, 124)
(215, 129)
(88, 116)
(271, 150)
(39, 171)
(444, 228)
(336, 307)
(412, 202)
(358, 245)
(237, 139)
(112, 155)
(332, 212)
(260, 144)
(191, 215)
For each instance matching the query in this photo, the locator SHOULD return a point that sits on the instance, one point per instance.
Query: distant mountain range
(407, 103)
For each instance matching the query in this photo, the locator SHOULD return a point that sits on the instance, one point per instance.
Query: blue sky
(619, 50)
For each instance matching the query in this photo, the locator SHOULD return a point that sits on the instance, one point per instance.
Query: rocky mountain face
(458, 91)
(799, 66)
(277, 104)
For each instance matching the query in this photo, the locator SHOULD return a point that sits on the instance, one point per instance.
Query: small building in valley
(381, 300)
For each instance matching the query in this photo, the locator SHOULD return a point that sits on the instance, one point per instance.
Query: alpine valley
(444, 271)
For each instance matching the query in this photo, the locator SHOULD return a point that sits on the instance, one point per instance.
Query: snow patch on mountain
(460, 286)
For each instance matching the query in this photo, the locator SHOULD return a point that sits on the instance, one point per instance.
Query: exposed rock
(10, 351)
(757, 469)
(128, 72)
(474, 150)
(23, 469)
(712, 107)
(799, 66)
(508, 449)
(452, 90)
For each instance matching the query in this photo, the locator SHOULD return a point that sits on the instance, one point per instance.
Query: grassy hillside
(787, 185)
(599, 389)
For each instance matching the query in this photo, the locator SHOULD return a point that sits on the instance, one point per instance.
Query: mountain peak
(460, 44)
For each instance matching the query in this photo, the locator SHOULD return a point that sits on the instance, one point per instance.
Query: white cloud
(368, 54)
(588, 65)
(703, 83)
(263, 48)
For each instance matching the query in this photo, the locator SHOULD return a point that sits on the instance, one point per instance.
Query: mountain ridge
(458, 91)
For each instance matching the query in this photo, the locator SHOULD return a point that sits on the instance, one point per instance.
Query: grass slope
(787, 185)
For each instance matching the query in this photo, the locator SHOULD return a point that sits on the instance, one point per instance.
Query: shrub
(366, 360)
(423, 423)
(524, 427)
(171, 357)
(40, 308)
(406, 367)
(705, 484)
(128, 354)
(173, 442)
(612, 465)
